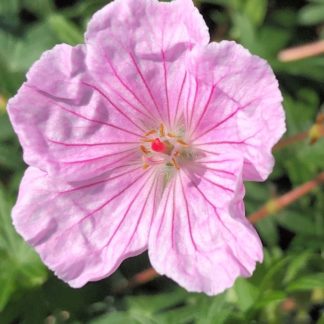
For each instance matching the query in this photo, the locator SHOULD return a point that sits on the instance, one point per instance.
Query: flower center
(165, 148)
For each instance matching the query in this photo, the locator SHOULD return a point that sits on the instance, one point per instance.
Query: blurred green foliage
(287, 288)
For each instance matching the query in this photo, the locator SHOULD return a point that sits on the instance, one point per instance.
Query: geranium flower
(141, 139)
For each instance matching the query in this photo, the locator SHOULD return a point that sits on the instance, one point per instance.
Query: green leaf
(297, 264)
(311, 14)
(309, 282)
(268, 231)
(181, 315)
(65, 30)
(116, 318)
(7, 288)
(244, 31)
(19, 263)
(295, 222)
(40, 7)
(246, 293)
(6, 129)
(269, 298)
(10, 157)
(217, 307)
(9, 8)
(37, 39)
(152, 304)
(256, 10)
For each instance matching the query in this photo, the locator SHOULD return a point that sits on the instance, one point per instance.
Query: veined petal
(83, 232)
(200, 237)
(137, 49)
(67, 126)
(244, 111)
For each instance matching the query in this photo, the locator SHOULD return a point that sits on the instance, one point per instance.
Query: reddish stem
(290, 140)
(302, 52)
(286, 199)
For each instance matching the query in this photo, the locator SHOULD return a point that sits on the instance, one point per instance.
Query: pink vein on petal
(179, 96)
(144, 82)
(154, 183)
(93, 87)
(205, 109)
(41, 92)
(90, 144)
(194, 103)
(166, 85)
(231, 115)
(88, 185)
(243, 141)
(122, 82)
(136, 196)
(165, 205)
(102, 157)
(100, 207)
(188, 214)
(217, 170)
(217, 184)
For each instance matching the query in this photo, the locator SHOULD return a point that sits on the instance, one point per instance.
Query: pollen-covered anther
(182, 142)
(147, 140)
(144, 149)
(153, 131)
(175, 163)
(145, 165)
(162, 133)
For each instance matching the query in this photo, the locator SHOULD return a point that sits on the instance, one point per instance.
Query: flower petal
(200, 236)
(84, 232)
(244, 111)
(66, 126)
(137, 49)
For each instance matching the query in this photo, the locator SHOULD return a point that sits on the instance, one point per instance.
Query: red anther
(158, 146)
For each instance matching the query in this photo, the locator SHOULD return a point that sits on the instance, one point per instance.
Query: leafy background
(287, 288)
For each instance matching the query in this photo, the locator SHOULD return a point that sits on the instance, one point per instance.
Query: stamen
(162, 134)
(147, 140)
(145, 166)
(183, 143)
(171, 135)
(176, 154)
(176, 165)
(153, 131)
(144, 149)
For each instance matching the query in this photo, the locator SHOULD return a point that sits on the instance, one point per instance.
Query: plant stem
(286, 199)
(302, 52)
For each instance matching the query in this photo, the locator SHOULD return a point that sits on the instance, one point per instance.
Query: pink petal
(238, 105)
(136, 48)
(83, 232)
(66, 126)
(200, 237)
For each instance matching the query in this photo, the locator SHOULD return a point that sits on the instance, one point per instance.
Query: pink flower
(141, 139)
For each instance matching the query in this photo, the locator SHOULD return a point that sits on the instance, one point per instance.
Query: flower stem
(313, 134)
(302, 52)
(276, 204)
(290, 140)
